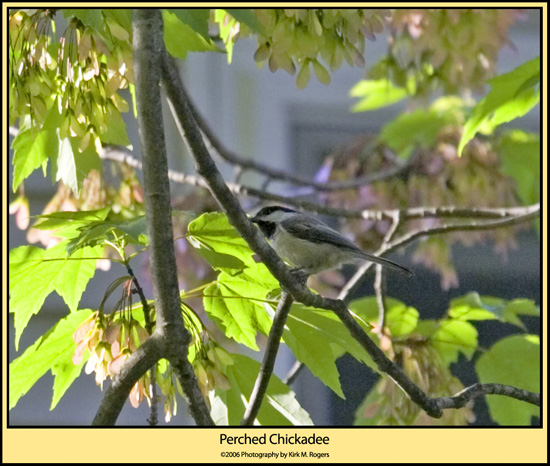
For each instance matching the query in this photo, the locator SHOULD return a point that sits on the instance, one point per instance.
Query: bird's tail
(385, 262)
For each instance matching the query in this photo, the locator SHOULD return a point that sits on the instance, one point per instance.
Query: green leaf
(512, 95)
(248, 17)
(69, 224)
(94, 233)
(35, 273)
(376, 94)
(452, 337)
(196, 18)
(91, 17)
(72, 167)
(32, 148)
(116, 129)
(520, 157)
(475, 307)
(180, 38)
(236, 303)
(121, 16)
(279, 408)
(512, 361)
(318, 338)
(52, 351)
(221, 261)
(213, 232)
(421, 127)
(400, 319)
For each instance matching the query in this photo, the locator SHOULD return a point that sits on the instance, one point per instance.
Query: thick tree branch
(268, 362)
(170, 339)
(131, 371)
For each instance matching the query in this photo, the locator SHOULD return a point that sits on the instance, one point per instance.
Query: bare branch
(462, 398)
(124, 155)
(217, 146)
(293, 373)
(170, 339)
(524, 214)
(268, 362)
(131, 371)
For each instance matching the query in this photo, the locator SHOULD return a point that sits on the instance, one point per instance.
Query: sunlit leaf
(246, 16)
(52, 351)
(279, 407)
(213, 232)
(32, 147)
(512, 361)
(376, 94)
(36, 272)
(196, 18)
(512, 95)
(520, 156)
(454, 336)
(180, 38)
(475, 307)
(318, 338)
(236, 304)
(419, 128)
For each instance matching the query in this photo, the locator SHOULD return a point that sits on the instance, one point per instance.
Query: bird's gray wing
(317, 232)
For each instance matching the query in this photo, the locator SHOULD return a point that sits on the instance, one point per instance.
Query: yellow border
(196, 445)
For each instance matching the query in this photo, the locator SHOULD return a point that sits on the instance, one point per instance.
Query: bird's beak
(254, 219)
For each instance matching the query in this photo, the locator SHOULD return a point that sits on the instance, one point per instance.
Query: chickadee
(308, 243)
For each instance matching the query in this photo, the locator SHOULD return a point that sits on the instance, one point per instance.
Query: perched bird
(309, 244)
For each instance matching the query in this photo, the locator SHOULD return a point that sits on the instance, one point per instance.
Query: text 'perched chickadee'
(309, 244)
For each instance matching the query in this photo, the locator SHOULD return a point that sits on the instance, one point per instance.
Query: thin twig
(527, 213)
(380, 292)
(293, 373)
(214, 143)
(462, 398)
(124, 155)
(268, 362)
(153, 412)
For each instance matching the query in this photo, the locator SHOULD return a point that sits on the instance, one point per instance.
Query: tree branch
(131, 371)
(238, 218)
(170, 339)
(462, 398)
(248, 164)
(268, 362)
(525, 214)
(124, 155)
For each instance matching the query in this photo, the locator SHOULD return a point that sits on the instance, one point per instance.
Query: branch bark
(170, 339)
(268, 362)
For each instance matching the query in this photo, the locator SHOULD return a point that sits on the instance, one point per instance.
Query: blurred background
(262, 115)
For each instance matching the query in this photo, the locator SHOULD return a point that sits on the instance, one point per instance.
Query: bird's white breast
(312, 257)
